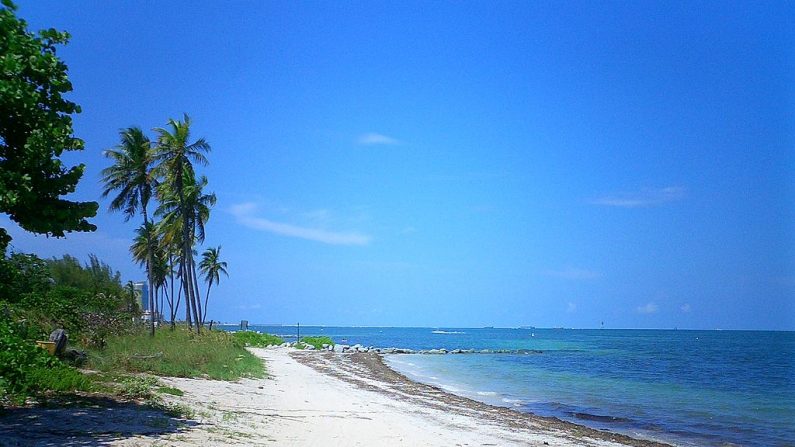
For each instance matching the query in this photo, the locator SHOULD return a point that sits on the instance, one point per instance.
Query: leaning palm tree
(175, 156)
(211, 267)
(193, 212)
(133, 180)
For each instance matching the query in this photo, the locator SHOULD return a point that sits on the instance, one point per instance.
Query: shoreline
(369, 371)
(310, 398)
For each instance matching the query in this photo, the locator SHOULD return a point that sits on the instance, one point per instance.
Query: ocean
(689, 388)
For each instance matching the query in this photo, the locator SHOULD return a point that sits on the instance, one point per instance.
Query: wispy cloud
(245, 215)
(372, 138)
(572, 273)
(571, 307)
(648, 308)
(685, 308)
(643, 198)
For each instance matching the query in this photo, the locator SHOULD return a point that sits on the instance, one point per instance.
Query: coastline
(310, 398)
(369, 371)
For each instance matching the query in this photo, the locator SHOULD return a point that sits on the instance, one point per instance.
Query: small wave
(487, 393)
(447, 332)
(514, 402)
(450, 389)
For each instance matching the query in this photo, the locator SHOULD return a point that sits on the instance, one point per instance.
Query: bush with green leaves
(317, 342)
(87, 301)
(257, 340)
(26, 370)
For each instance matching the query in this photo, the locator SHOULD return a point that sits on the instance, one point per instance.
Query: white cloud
(571, 307)
(373, 138)
(572, 273)
(644, 197)
(244, 213)
(249, 306)
(685, 308)
(649, 308)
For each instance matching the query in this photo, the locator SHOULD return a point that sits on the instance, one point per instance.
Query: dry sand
(309, 399)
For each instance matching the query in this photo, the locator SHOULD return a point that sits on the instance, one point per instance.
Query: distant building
(143, 292)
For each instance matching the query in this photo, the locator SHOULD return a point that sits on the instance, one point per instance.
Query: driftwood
(146, 357)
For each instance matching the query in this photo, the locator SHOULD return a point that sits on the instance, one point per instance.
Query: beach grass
(257, 340)
(178, 353)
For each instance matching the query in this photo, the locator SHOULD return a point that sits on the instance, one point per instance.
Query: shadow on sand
(86, 421)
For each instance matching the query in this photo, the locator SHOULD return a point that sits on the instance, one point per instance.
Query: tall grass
(179, 353)
(257, 340)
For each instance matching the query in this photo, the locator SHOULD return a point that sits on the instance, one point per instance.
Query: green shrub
(170, 390)
(137, 387)
(317, 342)
(26, 370)
(257, 340)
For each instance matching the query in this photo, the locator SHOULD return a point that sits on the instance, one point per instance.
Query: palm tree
(212, 267)
(160, 271)
(133, 180)
(193, 212)
(175, 155)
(145, 247)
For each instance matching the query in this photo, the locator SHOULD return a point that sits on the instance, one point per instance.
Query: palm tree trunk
(206, 299)
(189, 281)
(183, 282)
(173, 307)
(149, 276)
(196, 292)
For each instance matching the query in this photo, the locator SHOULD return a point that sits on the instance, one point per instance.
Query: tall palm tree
(145, 251)
(132, 178)
(212, 267)
(193, 212)
(175, 156)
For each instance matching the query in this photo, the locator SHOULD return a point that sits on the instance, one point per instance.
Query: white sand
(298, 406)
(295, 406)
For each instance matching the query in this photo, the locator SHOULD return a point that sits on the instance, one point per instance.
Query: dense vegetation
(100, 316)
(35, 129)
(180, 353)
(37, 296)
(257, 340)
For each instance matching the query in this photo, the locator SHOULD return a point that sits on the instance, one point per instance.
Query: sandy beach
(309, 399)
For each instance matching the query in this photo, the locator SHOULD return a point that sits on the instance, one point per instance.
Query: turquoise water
(684, 387)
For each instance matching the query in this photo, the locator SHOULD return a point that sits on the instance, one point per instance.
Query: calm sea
(710, 388)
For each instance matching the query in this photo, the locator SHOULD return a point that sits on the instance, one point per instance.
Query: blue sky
(462, 164)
